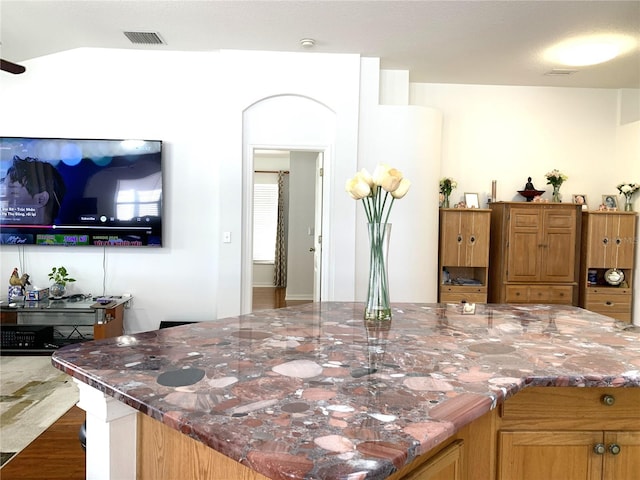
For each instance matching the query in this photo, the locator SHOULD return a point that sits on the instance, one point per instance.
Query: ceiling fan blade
(11, 67)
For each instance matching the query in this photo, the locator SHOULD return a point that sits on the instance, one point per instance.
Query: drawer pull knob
(614, 448)
(618, 241)
(605, 240)
(459, 238)
(473, 239)
(599, 449)
(608, 400)
(609, 303)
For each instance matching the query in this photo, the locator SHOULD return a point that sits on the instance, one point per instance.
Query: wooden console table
(41, 327)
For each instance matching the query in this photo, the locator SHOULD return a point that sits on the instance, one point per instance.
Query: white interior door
(317, 255)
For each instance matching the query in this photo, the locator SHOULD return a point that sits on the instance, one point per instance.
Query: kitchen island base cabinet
(570, 433)
(166, 454)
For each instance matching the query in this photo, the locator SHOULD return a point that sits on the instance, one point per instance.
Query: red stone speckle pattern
(310, 392)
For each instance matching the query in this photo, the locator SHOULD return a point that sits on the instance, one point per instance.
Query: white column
(111, 435)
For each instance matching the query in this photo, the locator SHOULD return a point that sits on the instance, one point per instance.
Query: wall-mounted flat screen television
(65, 191)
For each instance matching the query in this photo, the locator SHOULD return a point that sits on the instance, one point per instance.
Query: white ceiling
(477, 42)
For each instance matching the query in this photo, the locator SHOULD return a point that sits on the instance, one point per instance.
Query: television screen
(62, 191)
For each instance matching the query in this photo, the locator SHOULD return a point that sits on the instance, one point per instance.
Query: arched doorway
(283, 122)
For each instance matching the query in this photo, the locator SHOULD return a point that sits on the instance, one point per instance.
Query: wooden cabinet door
(599, 242)
(524, 245)
(446, 465)
(624, 235)
(550, 455)
(625, 464)
(475, 229)
(464, 238)
(611, 240)
(452, 242)
(542, 245)
(558, 246)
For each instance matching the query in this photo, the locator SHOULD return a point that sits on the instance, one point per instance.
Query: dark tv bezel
(7, 229)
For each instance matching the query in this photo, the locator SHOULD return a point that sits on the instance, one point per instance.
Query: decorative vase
(555, 198)
(377, 341)
(378, 306)
(57, 290)
(445, 201)
(628, 206)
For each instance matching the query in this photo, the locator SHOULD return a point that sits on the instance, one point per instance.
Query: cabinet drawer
(557, 294)
(613, 302)
(582, 408)
(458, 293)
(446, 297)
(609, 291)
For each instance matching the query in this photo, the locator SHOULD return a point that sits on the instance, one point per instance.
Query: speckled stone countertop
(314, 393)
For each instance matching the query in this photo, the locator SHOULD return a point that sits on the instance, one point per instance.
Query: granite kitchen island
(311, 392)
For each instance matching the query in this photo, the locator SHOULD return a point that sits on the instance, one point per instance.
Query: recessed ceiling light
(589, 50)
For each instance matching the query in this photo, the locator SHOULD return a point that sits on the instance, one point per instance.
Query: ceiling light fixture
(308, 42)
(589, 50)
(560, 72)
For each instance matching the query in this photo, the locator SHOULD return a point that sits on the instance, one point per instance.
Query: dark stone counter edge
(473, 406)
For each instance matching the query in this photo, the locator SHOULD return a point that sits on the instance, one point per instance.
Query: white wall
(510, 133)
(195, 103)
(97, 93)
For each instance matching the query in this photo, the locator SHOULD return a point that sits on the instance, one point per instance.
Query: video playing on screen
(80, 192)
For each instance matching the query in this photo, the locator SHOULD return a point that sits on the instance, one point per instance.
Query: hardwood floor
(55, 454)
(265, 298)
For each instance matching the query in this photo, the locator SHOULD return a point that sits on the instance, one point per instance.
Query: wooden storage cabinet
(608, 241)
(463, 255)
(534, 253)
(570, 433)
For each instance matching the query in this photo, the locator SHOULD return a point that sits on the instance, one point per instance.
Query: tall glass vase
(628, 206)
(555, 198)
(378, 306)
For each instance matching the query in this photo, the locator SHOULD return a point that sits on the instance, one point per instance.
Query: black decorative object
(530, 191)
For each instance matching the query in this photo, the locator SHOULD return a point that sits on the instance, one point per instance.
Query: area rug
(33, 395)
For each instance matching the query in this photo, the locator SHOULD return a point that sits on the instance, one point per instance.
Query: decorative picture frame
(610, 201)
(472, 200)
(580, 199)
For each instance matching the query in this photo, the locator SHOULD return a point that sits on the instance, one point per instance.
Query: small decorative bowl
(614, 277)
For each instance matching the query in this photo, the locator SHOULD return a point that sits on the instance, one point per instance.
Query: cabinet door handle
(614, 448)
(618, 241)
(608, 400)
(599, 449)
(605, 240)
(459, 238)
(473, 239)
(608, 303)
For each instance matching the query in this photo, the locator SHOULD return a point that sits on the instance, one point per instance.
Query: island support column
(111, 435)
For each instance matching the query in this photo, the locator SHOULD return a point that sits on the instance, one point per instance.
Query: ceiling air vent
(560, 72)
(144, 38)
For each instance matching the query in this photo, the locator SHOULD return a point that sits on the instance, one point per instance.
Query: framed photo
(610, 201)
(580, 199)
(472, 200)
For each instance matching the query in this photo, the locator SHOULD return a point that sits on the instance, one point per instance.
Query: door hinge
(320, 239)
(321, 171)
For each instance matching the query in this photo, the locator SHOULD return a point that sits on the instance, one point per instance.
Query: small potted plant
(60, 277)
